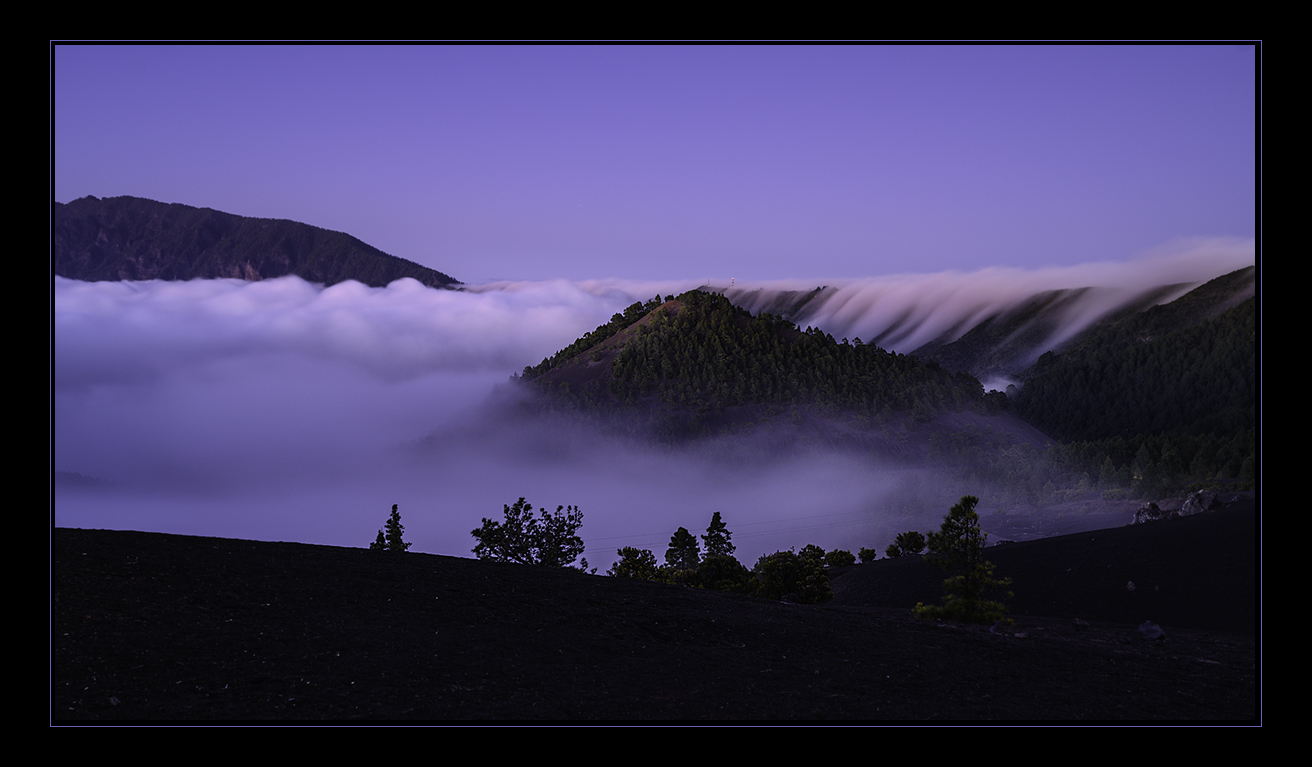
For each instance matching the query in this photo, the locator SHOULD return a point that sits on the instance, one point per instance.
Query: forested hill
(1147, 404)
(130, 238)
(1166, 398)
(701, 357)
(1188, 367)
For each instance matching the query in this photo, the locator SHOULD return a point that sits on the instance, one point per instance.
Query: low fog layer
(281, 410)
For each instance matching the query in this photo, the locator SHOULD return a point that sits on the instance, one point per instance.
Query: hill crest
(698, 365)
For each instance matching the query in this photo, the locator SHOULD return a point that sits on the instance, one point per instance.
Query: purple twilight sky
(681, 162)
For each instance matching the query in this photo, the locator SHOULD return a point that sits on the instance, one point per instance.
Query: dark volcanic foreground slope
(1197, 572)
(129, 238)
(150, 627)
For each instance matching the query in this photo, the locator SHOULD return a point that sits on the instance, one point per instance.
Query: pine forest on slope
(698, 352)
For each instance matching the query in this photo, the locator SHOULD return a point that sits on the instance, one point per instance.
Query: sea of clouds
(284, 410)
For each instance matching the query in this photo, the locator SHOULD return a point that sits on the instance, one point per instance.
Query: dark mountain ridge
(1007, 342)
(131, 238)
(1139, 325)
(990, 339)
(1150, 375)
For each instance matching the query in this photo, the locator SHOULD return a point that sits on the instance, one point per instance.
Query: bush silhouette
(801, 578)
(550, 541)
(839, 558)
(906, 544)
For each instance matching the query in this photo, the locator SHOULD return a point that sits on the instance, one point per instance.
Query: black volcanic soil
(149, 627)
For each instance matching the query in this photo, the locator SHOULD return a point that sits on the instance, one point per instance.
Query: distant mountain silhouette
(130, 238)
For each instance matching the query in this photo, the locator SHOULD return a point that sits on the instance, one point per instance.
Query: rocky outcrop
(1197, 502)
(1149, 512)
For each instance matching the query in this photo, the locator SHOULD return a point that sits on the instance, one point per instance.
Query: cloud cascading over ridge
(288, 411)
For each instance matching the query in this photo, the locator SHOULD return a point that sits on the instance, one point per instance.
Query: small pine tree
(379, 544)
(717, 538)
(683, 553)
(958, 548)
(395, 531)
